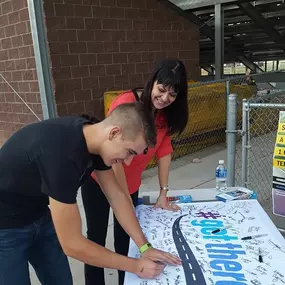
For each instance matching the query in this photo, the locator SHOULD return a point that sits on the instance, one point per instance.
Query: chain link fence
(254, 153)
(207, 103)
(208, 106)
(207, 121)
(257, 124)
(253, 87)
(262, 122)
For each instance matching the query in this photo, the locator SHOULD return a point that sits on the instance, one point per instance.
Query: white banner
(220, 258)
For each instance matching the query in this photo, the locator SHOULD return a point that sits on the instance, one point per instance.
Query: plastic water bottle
(221, 176)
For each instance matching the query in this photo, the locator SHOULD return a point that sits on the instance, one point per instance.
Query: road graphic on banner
(192, 269)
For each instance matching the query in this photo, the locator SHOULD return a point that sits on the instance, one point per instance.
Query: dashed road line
(194, 277)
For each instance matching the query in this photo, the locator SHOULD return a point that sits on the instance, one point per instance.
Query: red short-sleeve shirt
(162, 148)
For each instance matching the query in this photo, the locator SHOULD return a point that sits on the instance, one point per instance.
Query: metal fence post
(228, 92)
(231, 138)
(244, 170)
(38, 29)
(228, 87)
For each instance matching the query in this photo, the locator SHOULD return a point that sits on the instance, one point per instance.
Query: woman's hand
(164, 204)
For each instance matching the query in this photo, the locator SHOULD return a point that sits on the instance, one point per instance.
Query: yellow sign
(280, 139)
(281, 127)
(278, 173)
(279, 151)
(279, 163)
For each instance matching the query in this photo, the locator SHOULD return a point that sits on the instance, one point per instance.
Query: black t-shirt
(45, 159)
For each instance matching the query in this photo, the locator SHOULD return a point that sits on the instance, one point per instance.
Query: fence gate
(255, 147)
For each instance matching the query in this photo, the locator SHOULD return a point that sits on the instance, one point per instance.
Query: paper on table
(210, 258)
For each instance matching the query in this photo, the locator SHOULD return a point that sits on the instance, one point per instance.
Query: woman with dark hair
(165, 95)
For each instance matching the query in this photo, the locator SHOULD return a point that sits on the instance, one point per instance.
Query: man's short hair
(134, 119)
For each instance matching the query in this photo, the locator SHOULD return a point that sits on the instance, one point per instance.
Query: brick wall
(95, 46)
(111, 45)
(17, 65)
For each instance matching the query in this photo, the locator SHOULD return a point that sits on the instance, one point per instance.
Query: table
(209, 258)
(198, 195)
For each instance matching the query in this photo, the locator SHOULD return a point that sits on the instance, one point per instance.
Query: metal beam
(251, 40)
(260, 48)
(242, 45)
(194, 4)
(38, 30)
(208, 60)
(211, 10)
(253, 29)
(259, 20)
(247, 48)
(230, 7)
(268, 52)
(273, 16)
(269, 57)
(264, 53)
(208, 31)
(204, 28)
(219, 41)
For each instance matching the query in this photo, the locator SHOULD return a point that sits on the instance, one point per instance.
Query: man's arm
(121, 178)
(121, 205)
(67, 222)
(125, 214)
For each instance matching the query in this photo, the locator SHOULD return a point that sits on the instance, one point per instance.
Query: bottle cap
(221, 161)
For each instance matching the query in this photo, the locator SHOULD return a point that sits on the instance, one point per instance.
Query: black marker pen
(260, 258)
(219, 230)
(253, 237)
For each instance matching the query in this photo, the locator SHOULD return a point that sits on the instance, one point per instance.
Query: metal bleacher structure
(236, 31)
